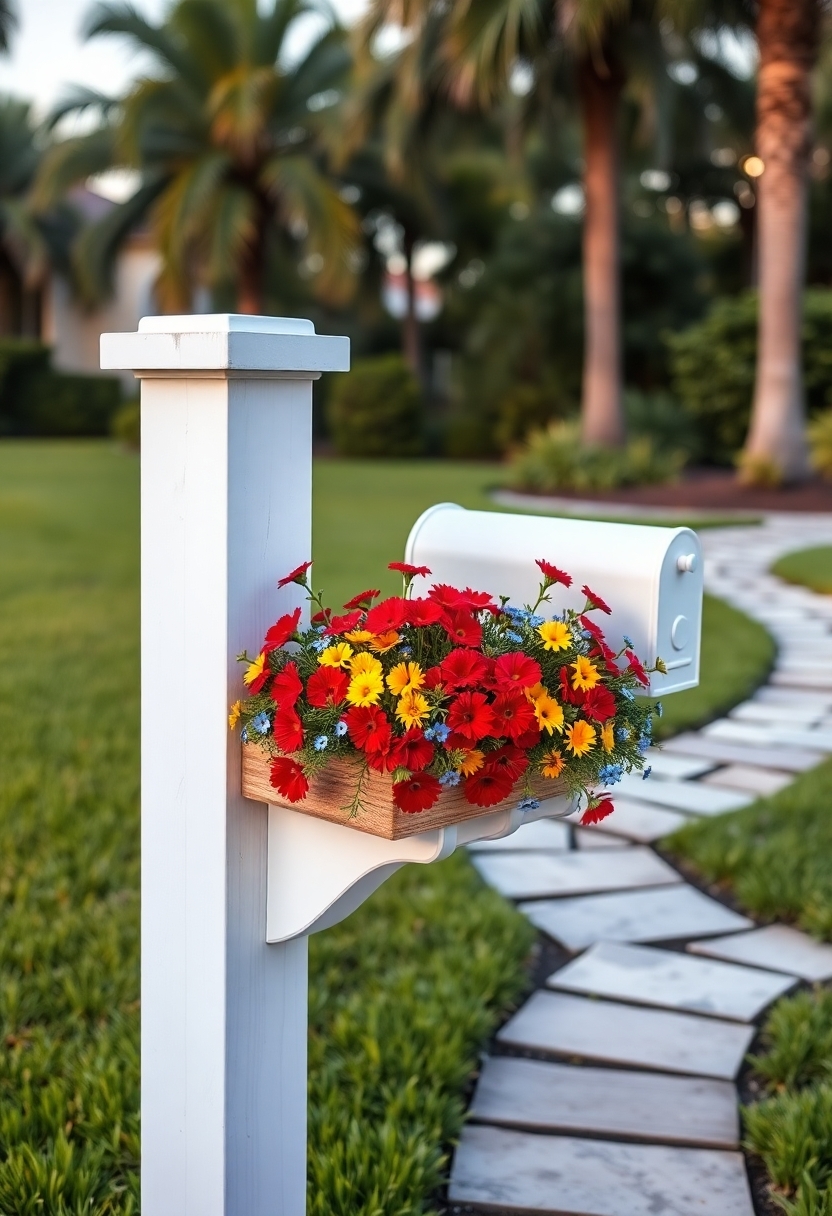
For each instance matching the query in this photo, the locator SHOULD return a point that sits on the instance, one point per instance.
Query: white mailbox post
(230, 892)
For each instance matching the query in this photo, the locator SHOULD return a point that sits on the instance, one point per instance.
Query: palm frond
(124, 19)
(24, 241)
(8, 22)
(95, 252)
(78, 99)
(213, 38)
(71, 162)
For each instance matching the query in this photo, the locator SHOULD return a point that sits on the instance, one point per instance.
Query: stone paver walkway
(627, 1104)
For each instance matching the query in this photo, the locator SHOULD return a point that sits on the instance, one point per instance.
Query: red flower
(529, 738)
(368, 727)
(281, 631)
(287, 687)
(456, 742)
(568, 694)
(406, 568)
(289, 779)
(477, 601)
(342, 624)
(433, 677)
(516, 670)
(589, 625)
(513, 715)
(447, 596)
(320, 618)
(423, 612)
(461, 627)
(637, 669)
(595, 812)
(553, 574)
(298, 575)
(599, 703)
(362, 600)
(389, 614)
(327, 687)
(596, 601)
(487, 787)
(411, 751)
(462, 668)
(602, 651)
(419, 793)
(288, 732)
(470, 715)
(508, 760)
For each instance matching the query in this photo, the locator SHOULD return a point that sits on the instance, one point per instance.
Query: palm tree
(8, 21)
(787, 38)
(228, 143)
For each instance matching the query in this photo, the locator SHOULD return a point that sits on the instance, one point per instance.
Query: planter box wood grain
(332, 790)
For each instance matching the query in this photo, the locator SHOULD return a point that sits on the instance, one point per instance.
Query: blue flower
(647, 772)
(244, 734)
(644, 743)
(622, 733)
(341, 729)
(319, 644)
(628, 642)
(517, 614)
(261, 723)
(321, 743)
(320, 628)
(529, 804)
(441, 731)
(430, 733)
(451, 778)
(405, 650)
(533, 620)
(611, 774)
(628, 694)
(514, 637)
(659, 708)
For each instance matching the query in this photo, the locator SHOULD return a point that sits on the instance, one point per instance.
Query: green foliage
(797, 1041)
(402, 994)
(737, 654)
(773, 855)
(808, 568)
(713, 366)
(126, 425)
(792, 1133)
(819, 433)
(376, 410)
(555, 459)
(36, 400)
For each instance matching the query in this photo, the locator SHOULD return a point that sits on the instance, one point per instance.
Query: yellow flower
(552, 764)
(580, 737)
(336, 656)
(365, 689)
(471, 762)
(364, 664)
(548, 713)
(586, 674)
(556, 635)
(608, 735)
(533, 692)
(412, 709)
(254, 669)
(383, 642)
(405, 677)
(359, 635)
(234, 716)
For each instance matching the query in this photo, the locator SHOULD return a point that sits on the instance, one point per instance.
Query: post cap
(231, 342)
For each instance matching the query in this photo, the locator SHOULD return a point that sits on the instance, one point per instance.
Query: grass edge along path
(810, 568)
(402, 994)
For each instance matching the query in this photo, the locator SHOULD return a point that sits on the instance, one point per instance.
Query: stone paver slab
(673, 981)
(659, 914)
(570, 1176)
(788, 760)
(612, 1033)
(683, 768)
(777, 947)
(530, 875)
(767, 711)
(607, 1102)
(690, 796)
(800, 681)
(591, 838)
(760, 781)
(639, 821)
(543, 834)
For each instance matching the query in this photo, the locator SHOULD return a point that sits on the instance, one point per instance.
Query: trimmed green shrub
(820, 443)
(125, 425)
(555, 459)
(376, 410)
(37, 400)
(713, 366)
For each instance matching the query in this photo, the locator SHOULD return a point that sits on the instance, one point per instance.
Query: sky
(48, 53)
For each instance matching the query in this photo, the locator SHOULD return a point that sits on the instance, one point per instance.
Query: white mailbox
(651, 577)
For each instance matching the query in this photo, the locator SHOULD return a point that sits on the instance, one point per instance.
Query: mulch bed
(718, 489)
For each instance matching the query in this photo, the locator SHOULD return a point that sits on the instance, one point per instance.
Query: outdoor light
(753, 166)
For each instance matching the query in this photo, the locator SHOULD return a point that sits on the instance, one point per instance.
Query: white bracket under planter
(319, 872)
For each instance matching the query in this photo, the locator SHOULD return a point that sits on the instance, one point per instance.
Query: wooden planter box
(333, 789)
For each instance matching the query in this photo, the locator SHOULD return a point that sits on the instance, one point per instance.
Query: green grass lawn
(808, 567)
(402, 995)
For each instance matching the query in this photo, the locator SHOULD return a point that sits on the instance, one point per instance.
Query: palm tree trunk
(251, 276)
(602, 418)
(787, 37)
(411, 334)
